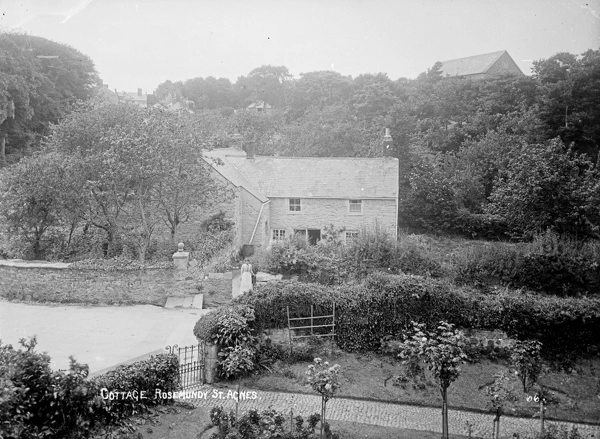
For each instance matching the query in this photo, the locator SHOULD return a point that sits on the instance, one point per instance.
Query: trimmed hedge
(36, 401)
(386, 304)
(159, 372)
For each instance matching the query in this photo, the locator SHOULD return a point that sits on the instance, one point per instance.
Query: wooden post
(289, 328)
(333, 322)
(541, 409)
(311, 320)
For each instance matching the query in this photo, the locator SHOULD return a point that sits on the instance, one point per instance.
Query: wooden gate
(191, 365)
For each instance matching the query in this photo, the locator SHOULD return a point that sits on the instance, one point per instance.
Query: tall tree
(568, 96)
(443, 351)
(138, 167)
(41, 80)
(266, 83)
(39, 196)
(316, 89)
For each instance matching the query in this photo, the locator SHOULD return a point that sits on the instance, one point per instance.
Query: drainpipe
(258, 220)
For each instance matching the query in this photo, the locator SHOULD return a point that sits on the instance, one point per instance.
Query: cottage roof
(315, 177)
(219, 159)
(471, 65)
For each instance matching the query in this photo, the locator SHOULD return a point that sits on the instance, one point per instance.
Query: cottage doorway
(312, 236)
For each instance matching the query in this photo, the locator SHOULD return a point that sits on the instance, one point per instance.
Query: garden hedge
(36, 401)
(386, 304)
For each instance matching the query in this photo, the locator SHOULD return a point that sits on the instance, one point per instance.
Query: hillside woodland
(502, 158)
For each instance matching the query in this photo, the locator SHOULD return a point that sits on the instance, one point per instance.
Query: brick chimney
(250, 150)
(388, 144)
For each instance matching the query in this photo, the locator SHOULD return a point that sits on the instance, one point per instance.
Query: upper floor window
(355, 207)
(295, 205)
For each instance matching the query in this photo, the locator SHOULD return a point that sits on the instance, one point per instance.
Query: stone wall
(318, 213)
(216, 287)
(58, 283)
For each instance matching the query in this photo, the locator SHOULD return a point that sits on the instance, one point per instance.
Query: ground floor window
(278, 235)
(351, 235)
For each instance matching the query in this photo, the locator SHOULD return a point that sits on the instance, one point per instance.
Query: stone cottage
(281, 197)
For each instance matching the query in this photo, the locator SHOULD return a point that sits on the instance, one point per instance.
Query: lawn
(368, 376)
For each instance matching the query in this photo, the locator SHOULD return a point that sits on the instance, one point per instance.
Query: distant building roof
(480, 64)
(259, 105)
(312, 177)
(138, 98)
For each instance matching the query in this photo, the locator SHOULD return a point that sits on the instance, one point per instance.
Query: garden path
(384, 414)
(99, 336)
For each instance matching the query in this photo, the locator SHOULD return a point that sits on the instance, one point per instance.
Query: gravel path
(383, 414)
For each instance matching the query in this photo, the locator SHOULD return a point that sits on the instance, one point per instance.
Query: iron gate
(191, 365)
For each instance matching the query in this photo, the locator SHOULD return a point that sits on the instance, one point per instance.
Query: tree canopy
(40, 81)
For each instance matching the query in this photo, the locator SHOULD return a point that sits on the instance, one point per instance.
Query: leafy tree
(546, 186)
(41, 80)
(330, 132)
(324, 379)
(372, 96)
(442, 350)
(526, 359)
(317, 90)
(250, 127)
(568, 92)
(266, 83)
(169, 88)
(209, 93)
(499, 394)
(39, 196)
(139, 168)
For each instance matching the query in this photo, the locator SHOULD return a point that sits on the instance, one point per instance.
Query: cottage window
(351, 235)
(295, 205)
(278, 234)
(355, 207)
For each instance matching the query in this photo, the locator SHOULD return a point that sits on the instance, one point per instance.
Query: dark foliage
(385, 305)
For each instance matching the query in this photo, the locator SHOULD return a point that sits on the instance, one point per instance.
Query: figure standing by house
(246, 281)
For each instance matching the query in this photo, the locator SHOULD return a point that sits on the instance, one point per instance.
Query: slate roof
(312, 177)
(229, 171)
(133, 97)
(470, 65)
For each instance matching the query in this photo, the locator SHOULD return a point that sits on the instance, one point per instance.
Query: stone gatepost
(181, 259)
(211, 358)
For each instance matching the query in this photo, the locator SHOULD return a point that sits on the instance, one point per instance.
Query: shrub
(268, 423)
(206, 245)
(119, 263)
(38, 402)
(236, 361)
(550, 263)
(231, 330)
(331, 263)
(159, 372)
(226, 327)
(384, 305)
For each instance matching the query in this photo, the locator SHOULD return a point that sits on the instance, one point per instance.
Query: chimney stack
(388, 144)
(250, 150)
(139, 91)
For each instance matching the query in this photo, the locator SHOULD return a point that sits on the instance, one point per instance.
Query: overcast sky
(143, 43)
